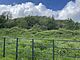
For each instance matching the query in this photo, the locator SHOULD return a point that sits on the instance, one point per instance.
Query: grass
(43, 43)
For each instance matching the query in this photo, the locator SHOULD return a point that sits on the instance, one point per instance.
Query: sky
(51, 4)
(59, 9)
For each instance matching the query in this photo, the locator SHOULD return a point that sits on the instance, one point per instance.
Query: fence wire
(39, 49)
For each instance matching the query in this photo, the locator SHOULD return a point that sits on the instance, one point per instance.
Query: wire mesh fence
(39, 49)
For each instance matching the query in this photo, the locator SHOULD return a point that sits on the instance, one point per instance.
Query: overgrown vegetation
(43, 43)
(43, 30)
(44, 23)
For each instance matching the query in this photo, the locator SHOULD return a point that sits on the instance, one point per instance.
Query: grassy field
(43, 43)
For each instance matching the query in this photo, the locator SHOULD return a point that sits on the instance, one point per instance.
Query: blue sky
(59, 9)
(50, 4)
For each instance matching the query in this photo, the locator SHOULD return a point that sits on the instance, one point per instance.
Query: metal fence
(55, 51)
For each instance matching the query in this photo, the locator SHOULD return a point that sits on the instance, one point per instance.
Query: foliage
(44, 23)
(70, 24)
(43, 30)
(2, 21)
(43, 43)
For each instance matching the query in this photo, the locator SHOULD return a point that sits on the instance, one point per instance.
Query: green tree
(77, 26)
(2, 21)
(70, 24)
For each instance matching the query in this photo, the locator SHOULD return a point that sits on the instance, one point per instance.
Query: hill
(32, 33)
(43, 23)
(43, 30)
(42, 45)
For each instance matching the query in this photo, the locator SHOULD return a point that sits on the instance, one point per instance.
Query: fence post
(53, 49)
(32, 49)
(17, 49)
(4, 47)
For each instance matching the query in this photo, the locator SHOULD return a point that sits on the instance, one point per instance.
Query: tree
(7, 14)
(70, 24)
(77, 26)
(2, 21)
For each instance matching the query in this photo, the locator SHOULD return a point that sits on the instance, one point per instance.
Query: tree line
(37, 22)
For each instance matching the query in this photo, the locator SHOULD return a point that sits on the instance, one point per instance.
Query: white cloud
(25, 9)
(71, 10)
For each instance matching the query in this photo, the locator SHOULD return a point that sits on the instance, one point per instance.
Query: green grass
(43, 43)
(56, 34)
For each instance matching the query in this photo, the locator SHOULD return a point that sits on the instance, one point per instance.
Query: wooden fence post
(17, 49)
(53, 49)
(4, 47)
(32, 49)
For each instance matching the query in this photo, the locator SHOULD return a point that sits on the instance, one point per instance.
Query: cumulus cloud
(71, 10)
(25, 9)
